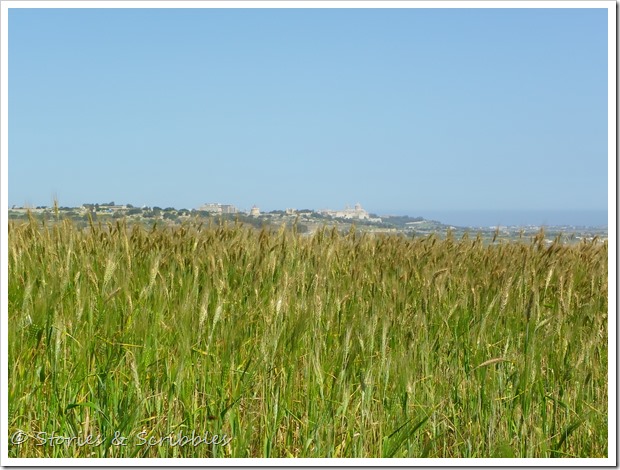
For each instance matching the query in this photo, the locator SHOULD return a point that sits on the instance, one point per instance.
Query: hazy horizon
(463, 218)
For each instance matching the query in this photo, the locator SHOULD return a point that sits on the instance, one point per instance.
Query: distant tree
(129, 206)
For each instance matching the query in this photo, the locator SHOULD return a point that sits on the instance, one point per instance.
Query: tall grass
(333, 345)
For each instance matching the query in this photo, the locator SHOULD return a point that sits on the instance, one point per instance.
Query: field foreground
(227, 341)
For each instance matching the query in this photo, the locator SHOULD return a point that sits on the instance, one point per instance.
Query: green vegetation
(330, 345)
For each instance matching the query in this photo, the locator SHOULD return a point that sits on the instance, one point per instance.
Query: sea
(493, 218)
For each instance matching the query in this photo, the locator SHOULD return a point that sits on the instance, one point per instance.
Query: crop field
(229, 341)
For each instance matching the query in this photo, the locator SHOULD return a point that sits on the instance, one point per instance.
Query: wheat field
(125, 340)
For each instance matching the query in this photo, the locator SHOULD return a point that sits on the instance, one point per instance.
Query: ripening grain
(333, 345)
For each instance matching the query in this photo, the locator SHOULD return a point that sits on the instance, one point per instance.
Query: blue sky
(407, 110)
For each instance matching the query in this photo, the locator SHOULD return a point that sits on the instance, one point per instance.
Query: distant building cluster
(357, 213)
(216, 208)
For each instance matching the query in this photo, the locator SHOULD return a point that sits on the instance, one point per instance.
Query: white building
(216, 208)
(357, 213)
(211, 207)
(228, 209)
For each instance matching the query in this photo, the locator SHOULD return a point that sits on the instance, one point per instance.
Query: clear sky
(406, 110)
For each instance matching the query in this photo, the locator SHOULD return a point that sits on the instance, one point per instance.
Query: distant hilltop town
(306, 221)
(215, 208)
(355, 213)
(220, 209)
